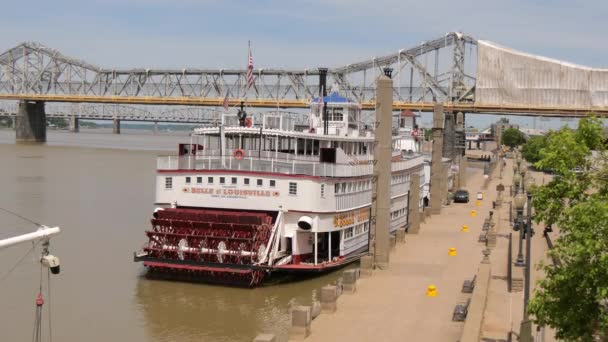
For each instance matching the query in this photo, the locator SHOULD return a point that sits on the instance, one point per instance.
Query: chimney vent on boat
(305, 222)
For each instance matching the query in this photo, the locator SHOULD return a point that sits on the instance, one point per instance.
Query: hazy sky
(305, 33)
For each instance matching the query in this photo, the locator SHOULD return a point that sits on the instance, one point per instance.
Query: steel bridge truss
(183, 114)
(441, 70)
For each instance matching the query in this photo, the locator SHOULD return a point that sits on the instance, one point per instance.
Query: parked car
(461, 196)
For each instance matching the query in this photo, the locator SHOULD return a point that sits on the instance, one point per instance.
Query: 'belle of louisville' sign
(232, 192)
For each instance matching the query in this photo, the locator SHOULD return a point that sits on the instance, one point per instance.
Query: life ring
(239, 154)
(248, 122)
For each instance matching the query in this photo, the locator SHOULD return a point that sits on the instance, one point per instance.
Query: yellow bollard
(431, 291)
(478, 203)
(452, 251)
(473, 213)
(465, 228)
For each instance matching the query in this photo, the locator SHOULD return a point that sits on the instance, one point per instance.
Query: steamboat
(256, 197)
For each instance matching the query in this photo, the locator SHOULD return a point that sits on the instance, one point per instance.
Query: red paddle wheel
(210, 245)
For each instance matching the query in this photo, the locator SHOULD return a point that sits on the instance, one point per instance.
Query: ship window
(348, 233)
(273, 183)
(199, 180)
(233, 180)
(343, 188)
(168, 182)
(260, 182)
(322, 190)
(222, 180)
(246, 181)
(335, 114)
(336, 188)
(293, 188)
(188, 179)
(210, 180)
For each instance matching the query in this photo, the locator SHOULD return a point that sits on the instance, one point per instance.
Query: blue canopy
(333, 98)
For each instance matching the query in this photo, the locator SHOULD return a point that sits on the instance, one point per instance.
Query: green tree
(531, 149)
(570, 298)
(512, 137)
(58, 122)
(428, 134)
(591, 132)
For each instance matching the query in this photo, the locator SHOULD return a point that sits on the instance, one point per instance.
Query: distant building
(500, 126)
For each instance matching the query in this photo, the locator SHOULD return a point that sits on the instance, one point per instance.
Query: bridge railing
(272, 165)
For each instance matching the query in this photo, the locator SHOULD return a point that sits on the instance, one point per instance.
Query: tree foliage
(58, 122)
(512, 137)
(570, 297)
(531, 149)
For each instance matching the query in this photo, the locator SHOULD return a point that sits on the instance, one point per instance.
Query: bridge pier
(74, 124)
(116, 126)
(460, 180)
(436, 161)
(30, 122)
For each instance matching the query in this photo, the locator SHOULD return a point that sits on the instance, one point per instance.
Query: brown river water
(99, 188)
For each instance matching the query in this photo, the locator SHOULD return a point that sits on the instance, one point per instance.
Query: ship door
(288, 243)
(327, 155)
(335, 244)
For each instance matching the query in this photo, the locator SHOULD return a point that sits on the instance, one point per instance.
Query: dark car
(461, 196)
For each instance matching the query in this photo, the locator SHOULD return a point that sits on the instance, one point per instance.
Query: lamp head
(530, 183)
(523, 170)
(516, 179)
(520, 201)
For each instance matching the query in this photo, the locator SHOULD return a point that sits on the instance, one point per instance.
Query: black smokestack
(323, 81)
(323, 88)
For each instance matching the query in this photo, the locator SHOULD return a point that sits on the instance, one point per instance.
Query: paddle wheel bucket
(217, 246)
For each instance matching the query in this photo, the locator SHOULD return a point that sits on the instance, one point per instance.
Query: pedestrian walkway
(504, 311)
(392, 304)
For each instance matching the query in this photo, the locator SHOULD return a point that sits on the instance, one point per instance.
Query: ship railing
(363, 197)
(257, 154)
(271, 165)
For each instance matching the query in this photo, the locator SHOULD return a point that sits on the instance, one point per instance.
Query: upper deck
(279, 163)
(335, 144)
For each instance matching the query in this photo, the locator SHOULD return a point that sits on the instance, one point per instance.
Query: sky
(296, 34)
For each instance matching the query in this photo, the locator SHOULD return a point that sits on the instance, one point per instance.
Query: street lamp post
(520, 201)
(525, 331)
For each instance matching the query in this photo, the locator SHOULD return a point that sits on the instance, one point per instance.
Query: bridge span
(462, 73)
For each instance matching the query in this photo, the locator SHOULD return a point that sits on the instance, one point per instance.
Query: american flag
(225, 103)
(250, 69)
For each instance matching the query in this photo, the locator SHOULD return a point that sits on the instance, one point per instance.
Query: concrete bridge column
(436, 157)
(460, 180)
(30, 122)
(116, 126)
(381, 200)
(413, 214)
(74, 124)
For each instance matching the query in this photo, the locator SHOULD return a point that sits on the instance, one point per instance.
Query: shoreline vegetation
(63, 124)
